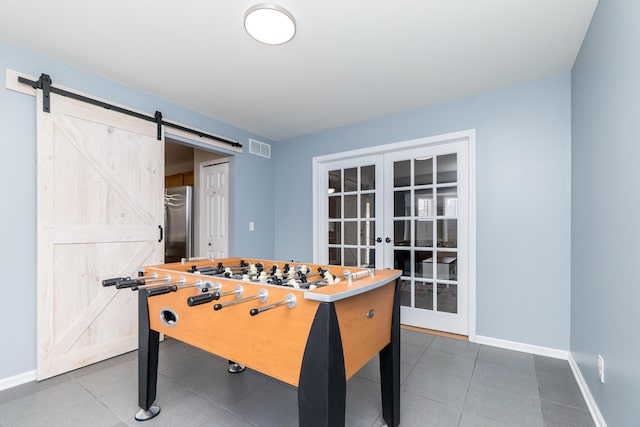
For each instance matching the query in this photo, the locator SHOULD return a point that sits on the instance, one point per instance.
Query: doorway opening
(182, 165)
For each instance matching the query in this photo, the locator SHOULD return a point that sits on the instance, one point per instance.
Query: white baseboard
(526, 348)
(16, 380)
(598, 419)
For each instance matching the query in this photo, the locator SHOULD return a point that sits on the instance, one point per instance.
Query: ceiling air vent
(259, 148)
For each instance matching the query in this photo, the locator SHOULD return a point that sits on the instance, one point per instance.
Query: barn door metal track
(45, 84)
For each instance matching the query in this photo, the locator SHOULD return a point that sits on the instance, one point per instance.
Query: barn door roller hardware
(45, 84)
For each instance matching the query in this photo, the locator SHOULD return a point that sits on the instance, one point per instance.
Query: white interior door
(214, 211)
(409, 208)
(99, 197)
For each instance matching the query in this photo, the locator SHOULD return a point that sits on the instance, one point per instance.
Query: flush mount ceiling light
(270, 23)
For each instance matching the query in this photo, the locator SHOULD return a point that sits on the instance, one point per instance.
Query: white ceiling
(350, 61)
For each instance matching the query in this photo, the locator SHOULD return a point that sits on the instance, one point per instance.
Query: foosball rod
(213, 296)
(203, 285)
(220, 266)
(262, 295)
(290, 301)
(315, 283)
(141, 281)
(228, 271)
(321, 272)
(153, 290)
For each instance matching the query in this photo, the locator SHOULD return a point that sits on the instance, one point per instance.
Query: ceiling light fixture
(269, 23)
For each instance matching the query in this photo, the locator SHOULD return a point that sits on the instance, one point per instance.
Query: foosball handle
(202, 298)
(113, 281)
(289, 301)
(130, 283)
(160, 290)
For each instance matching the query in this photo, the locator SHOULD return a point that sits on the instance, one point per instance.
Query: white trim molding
(16, 380)
(526, 348)
(598, 419)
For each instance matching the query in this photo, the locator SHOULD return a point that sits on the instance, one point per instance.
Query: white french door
(427, 215)
(408, 209)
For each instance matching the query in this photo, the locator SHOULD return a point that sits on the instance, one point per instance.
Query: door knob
(379, 240)
(388, 240)
(209, 244)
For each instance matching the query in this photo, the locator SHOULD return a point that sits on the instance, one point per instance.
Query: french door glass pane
(402, 203)
(424, 264)
(424, 295)
(402, 261)
(335, 256)
(351, 233)
(351, 256)
(424, 233)
(447, 267)
(351, 179)
(424, 203)
(402, 173)
(447, 201)
(335, 233)
(447, 233)
(335, 181)
(367, 205)
(447, 298)
(447, 168)
(423, 174)
(405, 293)
(335, 207)
(368, 178)
(402, 233)
(351, 206)
(367, 233)
(367, 257)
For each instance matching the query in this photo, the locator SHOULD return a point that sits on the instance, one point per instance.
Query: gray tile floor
(445, 382)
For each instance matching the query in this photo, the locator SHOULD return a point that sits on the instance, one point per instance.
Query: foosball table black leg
(322, 389)
(390, 368)
(148, 346)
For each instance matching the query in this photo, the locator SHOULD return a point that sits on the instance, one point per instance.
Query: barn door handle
(161, 233)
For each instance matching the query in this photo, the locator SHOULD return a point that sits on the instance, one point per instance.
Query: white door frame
(468, 136)
(202, 206)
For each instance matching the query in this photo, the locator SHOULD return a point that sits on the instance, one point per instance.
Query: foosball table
(307, 325)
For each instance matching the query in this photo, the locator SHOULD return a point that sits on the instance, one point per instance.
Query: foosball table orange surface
(308, 325)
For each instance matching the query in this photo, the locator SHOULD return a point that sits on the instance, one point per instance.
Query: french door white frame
(319, 191)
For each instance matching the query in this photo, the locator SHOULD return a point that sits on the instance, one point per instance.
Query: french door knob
(379, 240)
(388, 240)
(209, 244)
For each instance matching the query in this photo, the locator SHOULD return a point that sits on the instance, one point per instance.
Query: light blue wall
(251, 177)
(606, 209)
(523, 183)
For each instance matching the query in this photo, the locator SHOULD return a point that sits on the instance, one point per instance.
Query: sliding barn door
(100, 191)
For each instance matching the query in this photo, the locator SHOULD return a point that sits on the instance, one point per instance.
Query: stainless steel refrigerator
(178, 219)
